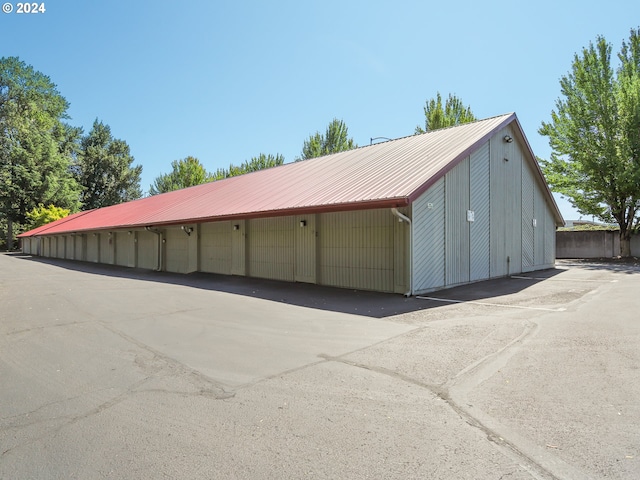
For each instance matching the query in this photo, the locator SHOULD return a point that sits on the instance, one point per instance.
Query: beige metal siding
(238, 247)
(106, 248)
(271, 248)
(79, 250)
(147, 244)
(428, 243)
(176, 251)
(215, 247)
(125, 248)
(401, 256)
(305, 248)
(456, 225)
(67, 248)
(356, 249)
(61, 247)
(480, 201)
(46, 244)
(93, 247)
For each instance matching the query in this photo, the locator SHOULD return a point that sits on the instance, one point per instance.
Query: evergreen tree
(34, 155)
(104, 169)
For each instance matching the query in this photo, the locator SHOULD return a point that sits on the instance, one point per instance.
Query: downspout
(159, 234)
(404, 218)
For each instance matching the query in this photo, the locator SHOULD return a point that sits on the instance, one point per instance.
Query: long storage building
(411, 215)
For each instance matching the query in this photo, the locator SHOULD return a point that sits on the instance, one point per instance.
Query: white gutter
(159, 234)
(404, 218)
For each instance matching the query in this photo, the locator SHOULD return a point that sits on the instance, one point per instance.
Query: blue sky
(226, 81)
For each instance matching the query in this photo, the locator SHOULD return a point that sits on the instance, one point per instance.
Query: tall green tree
(260, 162)
(453, 112)
(594, 134)
(105, 169)
(335, 139)
(184, 173)
(34, 156)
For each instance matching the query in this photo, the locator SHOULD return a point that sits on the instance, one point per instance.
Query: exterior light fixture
(377, 138)
(303, 223)
(187, 230)
(508, 139)
(236, 227)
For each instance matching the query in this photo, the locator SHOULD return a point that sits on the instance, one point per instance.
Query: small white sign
(429, 205)
(535, 223)
(471, 215)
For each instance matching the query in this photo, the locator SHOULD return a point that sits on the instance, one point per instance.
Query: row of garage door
(360, 249)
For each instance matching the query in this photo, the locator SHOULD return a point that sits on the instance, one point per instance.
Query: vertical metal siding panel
(176, 251)
(215, 247)
(125, 249)
(272, 248)
(498, 207)
(479, 202)
(515, 212)
(92, 248)
(456, 224)
(401, 259)
(540, 232)
(506, 206)
(528, 202)
(356, 249)
(550, 238)
(147, 250)
(68, 247)
(45, 246)
(106, 248)
(305, 260)
(61, 247)
(429, 241)
(238, 247)
(78, 247)
(122, 257)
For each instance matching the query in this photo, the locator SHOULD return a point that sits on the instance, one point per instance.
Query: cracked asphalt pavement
(107, 372)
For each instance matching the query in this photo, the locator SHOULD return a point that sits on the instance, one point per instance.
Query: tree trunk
(9, 235)
(625, 243)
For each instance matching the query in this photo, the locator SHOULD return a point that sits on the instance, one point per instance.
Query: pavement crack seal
(214, 389)
(536, 460)
(73, 419)
(512, 442)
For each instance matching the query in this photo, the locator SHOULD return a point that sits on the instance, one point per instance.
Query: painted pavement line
(448, 300)
(561, 279)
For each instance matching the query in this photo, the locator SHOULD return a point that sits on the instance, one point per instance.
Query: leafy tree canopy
(260, 162)
(189, 172)
(184, 173)
(335, 139)
(454, 112)
(104, 169)
(42, 215)
(594, 134)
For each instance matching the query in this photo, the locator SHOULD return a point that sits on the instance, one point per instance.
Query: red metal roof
(389, 174)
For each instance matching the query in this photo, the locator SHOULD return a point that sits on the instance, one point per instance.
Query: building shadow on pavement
(356, 302)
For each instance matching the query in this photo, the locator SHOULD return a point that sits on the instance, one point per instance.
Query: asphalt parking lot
(107, 372)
